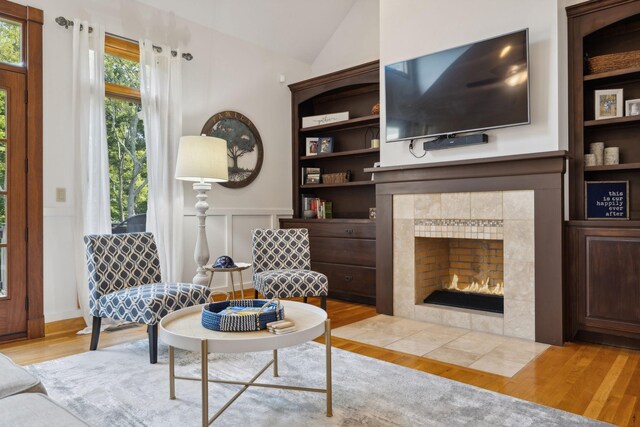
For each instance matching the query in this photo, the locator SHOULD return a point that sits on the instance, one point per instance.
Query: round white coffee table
(183, 329)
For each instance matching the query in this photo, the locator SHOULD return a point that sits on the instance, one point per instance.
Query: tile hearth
(496, 354)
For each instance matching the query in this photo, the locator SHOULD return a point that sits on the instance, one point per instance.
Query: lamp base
(201, 255)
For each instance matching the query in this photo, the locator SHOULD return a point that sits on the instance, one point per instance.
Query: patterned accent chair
(125, 284)
(282, 265)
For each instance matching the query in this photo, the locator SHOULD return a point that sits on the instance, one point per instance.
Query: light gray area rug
(117, 386)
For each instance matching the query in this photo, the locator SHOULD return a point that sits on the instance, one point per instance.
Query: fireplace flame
(478, 288)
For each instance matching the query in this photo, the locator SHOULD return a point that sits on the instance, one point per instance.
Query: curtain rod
(66, 23)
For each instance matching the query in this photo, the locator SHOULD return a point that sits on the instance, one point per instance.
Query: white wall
(355, 41)
(226, 73)
(410, 28)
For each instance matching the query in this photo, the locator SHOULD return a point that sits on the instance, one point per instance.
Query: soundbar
(449, 141)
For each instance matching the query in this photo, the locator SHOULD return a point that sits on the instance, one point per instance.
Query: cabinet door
(609, 280)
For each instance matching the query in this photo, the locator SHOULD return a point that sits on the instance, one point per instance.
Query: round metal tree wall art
(244, 146)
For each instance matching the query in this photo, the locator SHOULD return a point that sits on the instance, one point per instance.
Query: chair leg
(255, 294)
(304, 299)
(323, 303)
(152, 330)
(95, 333)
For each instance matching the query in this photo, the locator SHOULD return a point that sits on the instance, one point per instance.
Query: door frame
(32, 20)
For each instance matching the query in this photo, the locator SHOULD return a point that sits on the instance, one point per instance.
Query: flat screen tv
(479, 86)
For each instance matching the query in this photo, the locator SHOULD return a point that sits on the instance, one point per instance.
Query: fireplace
(451, 240)
(465, 273)
(516, 199)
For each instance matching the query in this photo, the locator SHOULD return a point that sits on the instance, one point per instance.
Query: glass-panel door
(13, 206)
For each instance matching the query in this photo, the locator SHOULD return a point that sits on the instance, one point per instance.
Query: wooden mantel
(541, 172)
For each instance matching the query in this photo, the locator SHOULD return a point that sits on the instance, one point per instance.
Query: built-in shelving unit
(602, 255)
(344, 247)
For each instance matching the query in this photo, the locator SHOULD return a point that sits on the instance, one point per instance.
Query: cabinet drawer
(348, 280)
(343, 251)
(361, 230)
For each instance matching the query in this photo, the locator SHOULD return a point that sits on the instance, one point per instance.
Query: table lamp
(202, 160)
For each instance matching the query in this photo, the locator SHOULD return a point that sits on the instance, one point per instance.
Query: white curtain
(161, 90)
(91, 162)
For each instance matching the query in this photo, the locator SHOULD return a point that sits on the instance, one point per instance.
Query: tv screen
(474, 87)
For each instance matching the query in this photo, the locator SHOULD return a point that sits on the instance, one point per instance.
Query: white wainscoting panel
(228, 233)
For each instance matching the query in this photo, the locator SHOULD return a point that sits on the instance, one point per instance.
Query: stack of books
(281, 327)
(321, 209)
(325, 210)
(244, 311)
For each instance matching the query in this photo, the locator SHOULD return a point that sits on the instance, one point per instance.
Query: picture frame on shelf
(325, 145)
(311, 146)
(632, 107)
(313, 178)
(609, 103)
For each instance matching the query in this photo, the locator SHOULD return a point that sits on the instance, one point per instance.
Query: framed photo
(326, 145)
(312, 146)
(313, 178)
(632, 107)
(606, 199)
(609, 104)
(244, 146)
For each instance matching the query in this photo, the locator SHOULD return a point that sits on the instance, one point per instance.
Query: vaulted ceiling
(296, 28)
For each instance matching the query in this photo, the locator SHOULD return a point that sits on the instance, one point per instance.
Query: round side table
(240, 266)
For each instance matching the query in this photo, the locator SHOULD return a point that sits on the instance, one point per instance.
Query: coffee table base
(205, 380)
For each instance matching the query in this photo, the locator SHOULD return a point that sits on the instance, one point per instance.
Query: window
(125, 136)
(10, 42)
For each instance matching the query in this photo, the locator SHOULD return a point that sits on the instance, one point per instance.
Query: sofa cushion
(35, 410)
(15, 379)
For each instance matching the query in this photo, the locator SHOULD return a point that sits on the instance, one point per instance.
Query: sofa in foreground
(24, 400)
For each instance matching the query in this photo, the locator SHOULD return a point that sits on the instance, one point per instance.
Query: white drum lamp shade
(202, 159)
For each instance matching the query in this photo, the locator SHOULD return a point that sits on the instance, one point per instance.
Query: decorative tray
(241, 315)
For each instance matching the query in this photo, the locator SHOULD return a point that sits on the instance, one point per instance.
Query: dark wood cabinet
(344, 247)
(604, 282)
(345, 251)
(603, 272)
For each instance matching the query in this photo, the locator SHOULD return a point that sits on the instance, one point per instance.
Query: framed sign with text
(606, 199)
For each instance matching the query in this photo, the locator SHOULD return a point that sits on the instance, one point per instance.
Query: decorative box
(324, 119)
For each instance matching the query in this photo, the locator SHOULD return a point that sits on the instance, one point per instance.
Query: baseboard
(64, 326)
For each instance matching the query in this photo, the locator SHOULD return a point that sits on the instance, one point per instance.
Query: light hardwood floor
(592, 380)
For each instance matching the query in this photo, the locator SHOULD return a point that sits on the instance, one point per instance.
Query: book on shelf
(327, 210)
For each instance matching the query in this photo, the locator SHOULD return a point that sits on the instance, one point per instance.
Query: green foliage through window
(10, 42)
(121, 71)
(125, 138)
(127, 159)
(3, 114)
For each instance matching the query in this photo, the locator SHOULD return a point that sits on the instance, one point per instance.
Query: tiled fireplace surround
(523, 193)
(495, 215)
